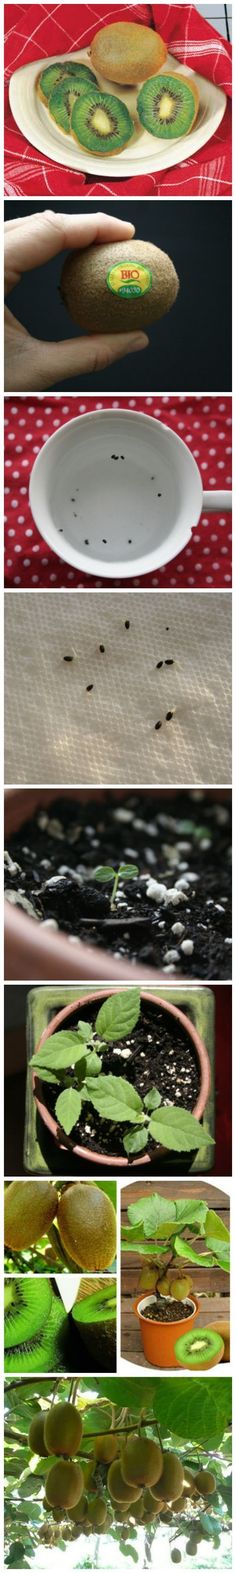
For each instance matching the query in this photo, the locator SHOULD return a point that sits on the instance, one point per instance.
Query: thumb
(73, 357)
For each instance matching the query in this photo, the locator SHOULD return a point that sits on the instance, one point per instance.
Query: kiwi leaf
(119, 1015)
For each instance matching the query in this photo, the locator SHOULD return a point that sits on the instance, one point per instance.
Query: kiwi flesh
(199, 1350)
(127, 52)
(27, 1305)
(87, 1226)
(67, 92)
(101, 123)
(53, 74)
(168, 105)
(29, 1209)
(42, 1351)
(118, 287)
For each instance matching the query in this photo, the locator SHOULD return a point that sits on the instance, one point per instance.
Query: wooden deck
(211, 1283)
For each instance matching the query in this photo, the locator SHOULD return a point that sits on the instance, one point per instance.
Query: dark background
(15, 1081)
(189, 348)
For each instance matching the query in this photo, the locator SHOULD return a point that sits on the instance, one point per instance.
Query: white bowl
(117, 493)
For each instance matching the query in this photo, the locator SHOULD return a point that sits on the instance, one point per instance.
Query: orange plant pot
(159, 1338)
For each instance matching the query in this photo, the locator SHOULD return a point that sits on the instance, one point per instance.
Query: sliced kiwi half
(64, 95)
(168, 105)
(199, 1350)
(41, 1351)
(53, 74)
(27, 1305)
(101, 122)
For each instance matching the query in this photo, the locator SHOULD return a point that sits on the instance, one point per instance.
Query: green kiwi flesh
(27, 1306)
(198, 1349)
(167, 106)
(64, 95)
(54, 73)
(42, 1351)
(95, 1308)
(101, 123)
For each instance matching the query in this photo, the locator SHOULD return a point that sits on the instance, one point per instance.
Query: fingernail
(138, 342)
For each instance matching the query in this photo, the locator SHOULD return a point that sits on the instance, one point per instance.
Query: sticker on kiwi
(129, 279)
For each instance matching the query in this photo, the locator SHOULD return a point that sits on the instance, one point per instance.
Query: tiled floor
(220, 16)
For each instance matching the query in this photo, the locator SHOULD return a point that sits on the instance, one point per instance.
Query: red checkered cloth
(205, 426)
(35, 32)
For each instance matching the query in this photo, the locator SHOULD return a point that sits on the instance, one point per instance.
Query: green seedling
(106, 875)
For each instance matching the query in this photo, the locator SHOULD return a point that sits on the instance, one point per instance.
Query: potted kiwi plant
(165, 1233)
(118, 1077)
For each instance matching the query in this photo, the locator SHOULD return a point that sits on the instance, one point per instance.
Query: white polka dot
(17, 548)
(39, 423)
(45, 561)
(9, 562)
(35, 578)
(215, 566)
(8, 464)
(48, 409)
(221, 406)
(23, 491)
(26, 562)
(21, 518)
(82, 408)
(13, 409)
(25, 463)
(227, 578)
(16, 581)
(209, 581)
(11, 532)
(222, 521)
(28, 436)
(32, 410)
(19, 449)
(65, 409)
(14, 503)
(53, 577)
(132, 403)
(11, 436)
(206, 551)
(190, 581)
(29, 532)
(15, 475)
(149, 401)
(212, 452)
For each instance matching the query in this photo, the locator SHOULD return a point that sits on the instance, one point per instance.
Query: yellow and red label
(129, 279)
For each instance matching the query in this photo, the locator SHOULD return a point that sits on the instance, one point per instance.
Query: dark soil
(168, 1311)
(187, 850)
(159, 1053)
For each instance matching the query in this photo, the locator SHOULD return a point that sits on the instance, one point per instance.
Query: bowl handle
(217, 500)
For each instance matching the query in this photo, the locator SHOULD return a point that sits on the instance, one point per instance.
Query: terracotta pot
(159, 1338)
(171, 1010)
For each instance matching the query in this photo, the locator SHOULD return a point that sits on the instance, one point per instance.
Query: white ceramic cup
(116, 493)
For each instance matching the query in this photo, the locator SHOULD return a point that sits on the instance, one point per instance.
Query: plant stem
(114, 890)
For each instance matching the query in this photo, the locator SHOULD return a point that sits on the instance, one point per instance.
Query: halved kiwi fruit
(199, 1350)
(168, 105)
(41, 1350)
(63, 97)
(27, 1305)
(52, 74)
(101, 122)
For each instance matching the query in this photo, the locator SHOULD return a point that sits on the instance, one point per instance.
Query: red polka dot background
(205, 425)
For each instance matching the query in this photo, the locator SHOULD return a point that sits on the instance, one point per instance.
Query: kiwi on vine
(97, 1512)
(205, 1482)
(78, 1513)
(36, 1436)
(105, 1448)
(168, 105)
(175, 1555)
(64, 1484)
(199, 1350)
(101, 123)
(141, 1461)
(118, 1488)
(169, 1487)
(68, 91)
(29, 1209)
(87, 1226)
(63, 1429)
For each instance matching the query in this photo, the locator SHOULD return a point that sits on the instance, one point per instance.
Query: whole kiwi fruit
(175, 1555)
(141, 1461)
(169, 1487)
(127, 52)
(79, 1512)
(97, 1512)
(205, 1482)
(87, 1226)
(105, 1448)
(223, 1328)
(63, 1429)
(119, 1489)
(118, 287)
(36, 1436)
(180, 1288)
(64, 1484)
(29, 1209)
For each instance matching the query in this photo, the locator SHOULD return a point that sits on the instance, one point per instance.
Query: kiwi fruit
(168, 105)
(169, 1487)
(116, 287)
(97, 1512)
(180, 1288)
(175, 1555)
(205, 1482)
(27, 1305)
(87, 1226)
(127, 52)
(63, 1429)
(64, 1484)
(119, 1489)
(223, 1328)
(101, 123)
(141, 1461)
(191, 1548)
(79, 1512)
(105, 1448)
(53, 74)
(43, 1350)
(29, 1209)
(163, 1285)
(199, 1350)
(36, 1436)
(68, 91)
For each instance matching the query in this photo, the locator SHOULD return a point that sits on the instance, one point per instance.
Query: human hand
(31, 363)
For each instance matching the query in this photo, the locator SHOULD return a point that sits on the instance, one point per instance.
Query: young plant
(73, 1061)
(173, 1229)
(105, 875)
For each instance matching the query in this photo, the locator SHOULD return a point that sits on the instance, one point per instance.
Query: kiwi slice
(27, 1305)
(63, 96)
(101, 123)
(168, 105)
(41, 1351)
(53, 74)
(200, 1349)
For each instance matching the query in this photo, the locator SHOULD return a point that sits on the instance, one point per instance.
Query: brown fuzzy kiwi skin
(169, 1488)
(223, 1328)
(205, 1482)
(29, 1209)
(36, 1436)
(87, 1226)
(127, 52)
(94, 307)
(63, 1430)
(119, 1490)
(106, 1448)
(64, 1484)
(141, 1461)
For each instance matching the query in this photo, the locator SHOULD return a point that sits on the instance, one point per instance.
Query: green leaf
(128, 1551)
(103, 874)
(59, 1052)
(221, 1252)
(114, 1099)
(46, 1075)
(119, 1015)
(85, 1030)
(215, 1227)
(178, 1130)
(194, 1409)
(192, 1212)
(183, 1248)
(130, 1392)
(135, 1141)
(93, 1064)
(152, 1211)
(152, 1099)
(143, 1250)
(128, 870)
(68, 1108)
